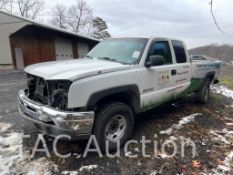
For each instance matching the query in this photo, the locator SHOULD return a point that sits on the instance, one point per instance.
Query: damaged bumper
(53, 122)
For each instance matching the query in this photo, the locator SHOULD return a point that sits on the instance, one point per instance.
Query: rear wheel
(114, 123)
(203, 94)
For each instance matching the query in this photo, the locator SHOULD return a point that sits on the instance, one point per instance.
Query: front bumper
(53, 122)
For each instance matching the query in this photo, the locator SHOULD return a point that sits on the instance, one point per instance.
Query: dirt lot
(209, 126)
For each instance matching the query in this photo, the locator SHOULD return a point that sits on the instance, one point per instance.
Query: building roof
(32, 22)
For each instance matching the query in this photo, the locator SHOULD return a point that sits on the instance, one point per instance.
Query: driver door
(157, 81)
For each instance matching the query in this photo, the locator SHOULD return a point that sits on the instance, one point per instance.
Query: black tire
(105, 114)
(203, 94)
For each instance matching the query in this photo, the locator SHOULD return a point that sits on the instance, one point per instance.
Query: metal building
(24, 42)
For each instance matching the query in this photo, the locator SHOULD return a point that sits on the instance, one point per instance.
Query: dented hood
(73, 69)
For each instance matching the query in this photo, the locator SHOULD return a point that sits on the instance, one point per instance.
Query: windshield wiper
(108, 59)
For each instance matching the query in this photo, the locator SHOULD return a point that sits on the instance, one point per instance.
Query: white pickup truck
(101, 93)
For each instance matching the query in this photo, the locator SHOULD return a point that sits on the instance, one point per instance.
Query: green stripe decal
(194, 86)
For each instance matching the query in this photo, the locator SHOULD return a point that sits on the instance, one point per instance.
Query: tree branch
(215, 21)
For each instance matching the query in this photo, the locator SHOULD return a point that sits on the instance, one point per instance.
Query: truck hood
(73, 69)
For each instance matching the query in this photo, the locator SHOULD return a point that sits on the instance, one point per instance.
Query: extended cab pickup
(101, 93)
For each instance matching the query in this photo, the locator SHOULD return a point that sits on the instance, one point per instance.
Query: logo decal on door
(164, 78)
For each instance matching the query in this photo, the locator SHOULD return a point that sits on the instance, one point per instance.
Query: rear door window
(179, 51)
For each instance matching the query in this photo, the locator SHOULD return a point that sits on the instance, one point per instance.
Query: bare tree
(79, 16)
(6, 5)
(215, 21)
(30, 8)
(3, 4)
(59, 16)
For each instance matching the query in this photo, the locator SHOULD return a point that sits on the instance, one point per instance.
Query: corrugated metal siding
(8, 25)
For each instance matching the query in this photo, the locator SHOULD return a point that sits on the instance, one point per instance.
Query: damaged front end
(45, 105)
(51, 93)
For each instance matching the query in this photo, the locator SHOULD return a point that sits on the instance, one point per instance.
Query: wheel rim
(115, 129)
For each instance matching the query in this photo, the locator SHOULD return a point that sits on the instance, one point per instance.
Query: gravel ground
(209, 126)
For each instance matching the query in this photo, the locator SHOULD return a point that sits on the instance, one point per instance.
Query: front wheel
(203, 94)
(114, 124)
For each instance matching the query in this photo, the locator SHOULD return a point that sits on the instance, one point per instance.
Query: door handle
(173, 72)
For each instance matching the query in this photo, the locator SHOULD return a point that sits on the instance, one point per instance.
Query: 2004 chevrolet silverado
(101, 93)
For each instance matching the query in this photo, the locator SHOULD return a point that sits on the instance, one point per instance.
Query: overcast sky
(189, 20)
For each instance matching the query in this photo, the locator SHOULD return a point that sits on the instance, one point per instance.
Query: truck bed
(200, 68)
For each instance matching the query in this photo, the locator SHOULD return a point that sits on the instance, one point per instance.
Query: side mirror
(155, 60)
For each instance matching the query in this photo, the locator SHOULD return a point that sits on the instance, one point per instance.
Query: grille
(37, 89)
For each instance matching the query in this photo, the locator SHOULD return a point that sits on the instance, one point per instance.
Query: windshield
(123, 50)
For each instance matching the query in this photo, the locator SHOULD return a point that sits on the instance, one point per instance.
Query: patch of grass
(231, 162)
(227, 81)
(217, 98)
(231, 140)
